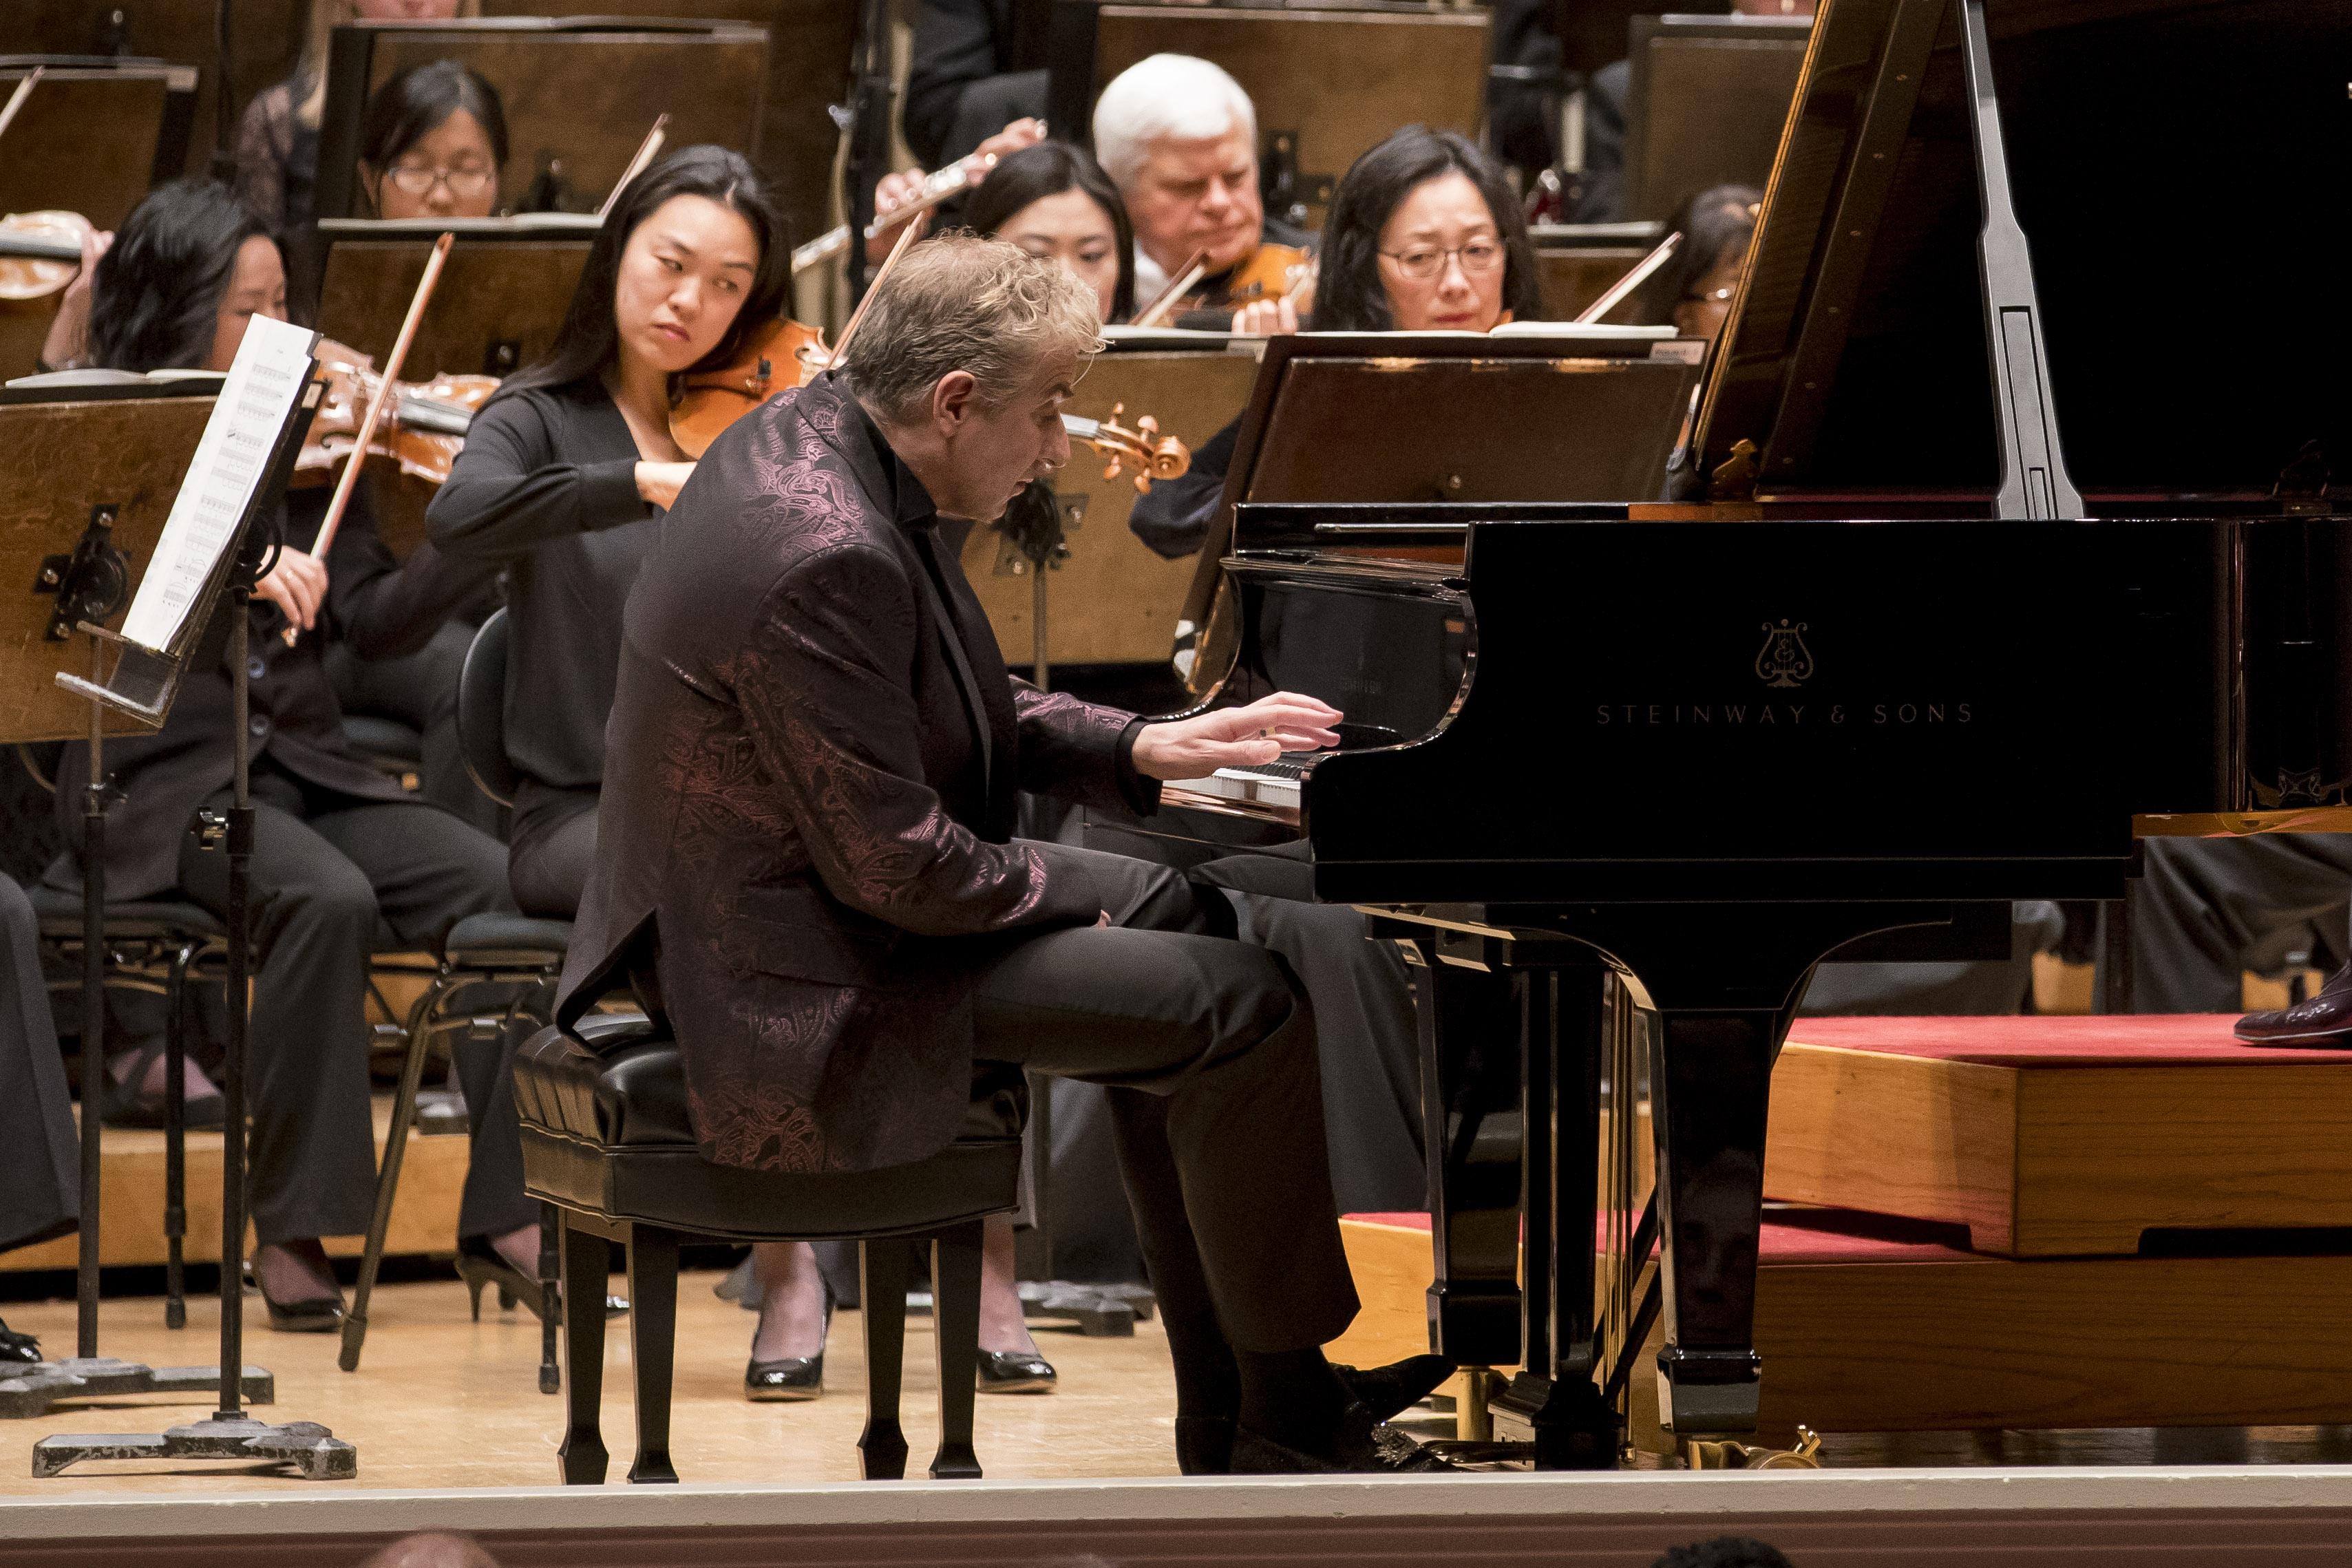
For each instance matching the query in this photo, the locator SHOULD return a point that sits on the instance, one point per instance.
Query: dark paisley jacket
(805, 852)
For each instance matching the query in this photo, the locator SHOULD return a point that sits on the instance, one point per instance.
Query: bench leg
(653, 1340)
(955, 1319)
(882, 1289)
(587, 1260)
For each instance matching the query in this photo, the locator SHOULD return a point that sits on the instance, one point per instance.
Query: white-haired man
(1179, 137)
(807, 865)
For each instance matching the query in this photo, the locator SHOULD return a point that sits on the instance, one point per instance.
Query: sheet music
(232, 461)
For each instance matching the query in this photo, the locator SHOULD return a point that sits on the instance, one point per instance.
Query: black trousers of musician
(334, 881)
(1206, 1045)
(39, 1169)
(2204, 908)
(551, 850)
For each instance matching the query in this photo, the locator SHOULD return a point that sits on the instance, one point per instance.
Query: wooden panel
(85, 142)
(1900, 1135)
(1572, 280)
(1307, 71)
(499, 305)
(1114, 601)
(2055, 1343)
(2104, 1152)
(131, 1204)
(56, 461)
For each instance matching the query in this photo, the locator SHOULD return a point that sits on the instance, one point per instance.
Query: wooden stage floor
(440, 1401)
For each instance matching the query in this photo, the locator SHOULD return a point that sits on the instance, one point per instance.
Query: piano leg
(1707, 1101)
(1554, 1402)
(1469, 1086)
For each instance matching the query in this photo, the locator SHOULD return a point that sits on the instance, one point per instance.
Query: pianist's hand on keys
(1236, 737)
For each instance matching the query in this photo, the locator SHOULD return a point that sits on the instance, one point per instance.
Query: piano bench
(2062, 1136)
(1867, 1323)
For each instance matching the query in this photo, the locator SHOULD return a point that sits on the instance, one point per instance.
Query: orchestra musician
(340, 854)
(278, 142)
(1179, 137)
(39, 1157)
(900, 933)
(1055, 203)
(1423, 235)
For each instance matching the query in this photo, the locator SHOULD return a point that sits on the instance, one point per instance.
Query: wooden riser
(130, 1215)
(1981, 1342)
(2051, 1161)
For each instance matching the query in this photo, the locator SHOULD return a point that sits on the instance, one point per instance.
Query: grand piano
(2005, 538)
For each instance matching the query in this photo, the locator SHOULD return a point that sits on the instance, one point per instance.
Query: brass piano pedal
(1704, 1454)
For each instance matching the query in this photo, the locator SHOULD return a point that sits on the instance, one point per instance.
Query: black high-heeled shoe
(128, 1103)
(311, 1315)
(789, 1380)
(480, 1264)
(1014, 1372)
(17, 1349)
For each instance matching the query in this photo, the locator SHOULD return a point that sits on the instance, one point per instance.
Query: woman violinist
(341, 853)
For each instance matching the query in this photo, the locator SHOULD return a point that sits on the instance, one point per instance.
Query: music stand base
(312, 1452)
(40, 1387)
(1095, 1310)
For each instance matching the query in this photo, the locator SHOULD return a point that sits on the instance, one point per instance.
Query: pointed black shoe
(791, 1380)
(1390, 1391)
(1014, 1372)
(1360, 1446)
(479, 1264)
(17, 1349)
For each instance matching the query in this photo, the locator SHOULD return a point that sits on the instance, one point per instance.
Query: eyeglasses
(1422, 263)
(415, 180)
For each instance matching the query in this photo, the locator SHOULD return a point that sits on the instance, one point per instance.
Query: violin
(40, 253)
(788, 353)
(424, 424)
(1272, 272)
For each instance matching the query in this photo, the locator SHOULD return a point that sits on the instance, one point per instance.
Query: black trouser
(1207, 1045)
(2202, 907)
(551, 850)
(39, 1169)
(334, 879)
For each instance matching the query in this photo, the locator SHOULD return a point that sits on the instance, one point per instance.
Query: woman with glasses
(1423, 234)
(1692, 292)
(432, 144)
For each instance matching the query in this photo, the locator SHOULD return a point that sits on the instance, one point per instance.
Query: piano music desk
(2060, 1136)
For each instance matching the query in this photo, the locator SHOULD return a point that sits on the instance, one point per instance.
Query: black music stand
(142, 683)
(1303, 69)
(1705, 104)
(579, 96)
(499, 304)
(151, 430)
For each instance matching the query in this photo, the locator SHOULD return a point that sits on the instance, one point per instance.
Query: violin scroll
(1154, 456)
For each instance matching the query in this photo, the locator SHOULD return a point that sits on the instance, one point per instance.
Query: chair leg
(653, 1341)
(176, 1137)
(587, 1262)
(387, 1181)
(882, 1296)
(551, 1295)
(955, 1323)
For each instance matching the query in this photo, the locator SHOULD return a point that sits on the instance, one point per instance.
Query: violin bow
(647, 151)
(1180, 286)
(17, 99)
(1591, 315)
(382, 395)
(841, 349)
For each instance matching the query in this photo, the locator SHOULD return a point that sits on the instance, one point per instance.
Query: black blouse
(547, 486)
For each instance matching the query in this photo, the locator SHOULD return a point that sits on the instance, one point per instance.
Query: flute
(937, 188)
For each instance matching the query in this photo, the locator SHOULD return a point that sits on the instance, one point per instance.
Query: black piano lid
(2180, 173)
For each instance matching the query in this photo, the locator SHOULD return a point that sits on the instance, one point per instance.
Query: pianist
(806, 865)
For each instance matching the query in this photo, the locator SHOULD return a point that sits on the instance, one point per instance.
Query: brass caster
(1703, 1453)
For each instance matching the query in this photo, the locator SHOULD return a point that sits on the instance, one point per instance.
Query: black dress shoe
(318, 1315)
(127, 1103)
(1360, 1446)
(479, 1264)
(1390, 1391)
(2323, 1022)
(15, 1348)
(1014, 1372)
(791, 1381)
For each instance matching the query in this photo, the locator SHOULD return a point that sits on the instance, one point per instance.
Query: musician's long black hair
(155, 297)
(1714, 222)
(1349, 298)
(589, 341)
(1048, 169)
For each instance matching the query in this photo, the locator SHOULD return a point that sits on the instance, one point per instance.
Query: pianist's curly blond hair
(962, 302)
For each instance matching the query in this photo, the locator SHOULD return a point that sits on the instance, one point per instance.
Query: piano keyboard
(1268, 788)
